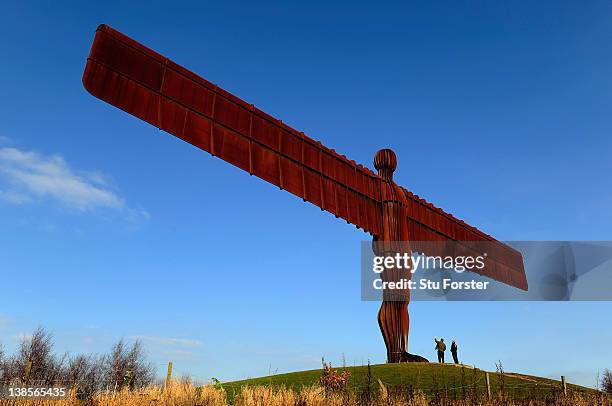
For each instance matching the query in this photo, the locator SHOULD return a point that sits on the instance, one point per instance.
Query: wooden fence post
(488, 385)
(564, 385)
(169, 375)
(128, 380)
(26, 375)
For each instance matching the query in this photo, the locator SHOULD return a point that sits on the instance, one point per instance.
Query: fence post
(169, 376)
(128, 379)
(26, 375)
(564, 385)
(488, 385)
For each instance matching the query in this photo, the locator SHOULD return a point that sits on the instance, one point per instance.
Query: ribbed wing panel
(143, 83)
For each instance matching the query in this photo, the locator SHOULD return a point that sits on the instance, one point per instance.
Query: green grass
(429, 378)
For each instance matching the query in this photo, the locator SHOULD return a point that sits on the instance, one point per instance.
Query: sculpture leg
(394, 323)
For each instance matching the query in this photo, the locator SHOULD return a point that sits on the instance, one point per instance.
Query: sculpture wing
(145, 84)
(430, 226)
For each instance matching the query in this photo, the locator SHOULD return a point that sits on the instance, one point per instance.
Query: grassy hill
(428, 378)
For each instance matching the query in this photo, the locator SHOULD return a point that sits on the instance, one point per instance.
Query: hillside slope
(429, 378)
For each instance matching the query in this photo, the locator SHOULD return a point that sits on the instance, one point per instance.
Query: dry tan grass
(186, 394)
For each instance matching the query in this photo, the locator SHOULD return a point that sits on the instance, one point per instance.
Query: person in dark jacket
(441, 347)
(454, 351)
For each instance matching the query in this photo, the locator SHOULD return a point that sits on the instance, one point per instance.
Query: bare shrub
(501, 376)
(332, 380)
(128, 366)
(37, 349)
(9, 370)
(2, 365)
(606, 381)
(86, 375)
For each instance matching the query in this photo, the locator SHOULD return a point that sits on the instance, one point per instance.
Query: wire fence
(471, 383)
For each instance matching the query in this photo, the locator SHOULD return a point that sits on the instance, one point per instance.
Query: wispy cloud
(4, 321)
(22, 337)
(5, 140)
(14, 197)
(177, 348)
(30, 176)
(168, 341)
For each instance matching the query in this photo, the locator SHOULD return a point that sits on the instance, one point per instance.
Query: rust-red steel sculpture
(145, 84)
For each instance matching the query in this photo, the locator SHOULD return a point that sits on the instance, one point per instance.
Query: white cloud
(30, 176)
(14, 197)
(168, 341)
(5, 140)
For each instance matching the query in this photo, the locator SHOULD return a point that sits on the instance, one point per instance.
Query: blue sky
(498, 112)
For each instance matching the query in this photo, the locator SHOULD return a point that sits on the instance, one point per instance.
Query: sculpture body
(147, 85)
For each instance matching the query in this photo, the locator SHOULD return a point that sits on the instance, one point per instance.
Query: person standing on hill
(441, 347)
(454, 351)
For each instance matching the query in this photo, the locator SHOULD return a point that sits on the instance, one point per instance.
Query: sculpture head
(385, 163)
